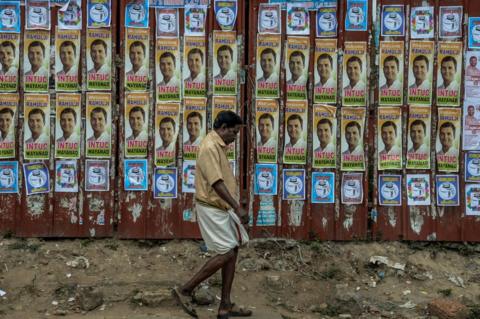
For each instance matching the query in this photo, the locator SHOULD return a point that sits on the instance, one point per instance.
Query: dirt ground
(111, 278)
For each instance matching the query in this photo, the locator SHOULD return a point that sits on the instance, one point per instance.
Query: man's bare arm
(224, 194)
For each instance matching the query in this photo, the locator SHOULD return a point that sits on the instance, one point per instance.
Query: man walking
(219, 214)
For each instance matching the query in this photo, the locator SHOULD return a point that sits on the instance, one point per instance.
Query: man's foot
(184, 302)
(238, 311)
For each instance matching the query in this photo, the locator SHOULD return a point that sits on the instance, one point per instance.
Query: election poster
(448, 139)
(167, 125)
(11, 17)
(393, 21)
(136, 109)
(99, 13)
(165, 183)
(268, 66)
(267, 213)
(67, 60)
(194, 126)
(356, 18)
(450, 22)
(389, 138)
(355, 74)
(37, 178)
(447, 190)
(8, 118)
(472, 199)
(472, 75)
(390, 89)
(296, 122)
(10, 50)
(70, 15)
(298, 19)
(224, 103)
(66, 176)
(471, 125)
(194, 67)
(37, 15)
(293, 184)
(269, 18)
(99, 59)
(267, 123)
(97, 177)
(323, 188)
(474, 32)
(418, 147)
(266, 179)
(449, 73)
(324, 136)
(420, 72)
(352, 128)
(195, 17)
(422, 22)
(390, 190)
(296, 66)
(418, 190)
(68, 120)
(472, 166)
(167, 69)
(36, 60)
(136, 14)
(99, 130)
(9, 177)
(226, 14)
(327, 24)
(325, 71)
(188, 176)
(36, 126)
(352, 188)
(135, 175)
(137, 58)
(225, 65)
(167, 22)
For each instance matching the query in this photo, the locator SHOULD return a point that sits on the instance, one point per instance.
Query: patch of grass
(86, 242)
(23, 244)
(474, 312)
(112, 245)
(331, 272)
(445, 292)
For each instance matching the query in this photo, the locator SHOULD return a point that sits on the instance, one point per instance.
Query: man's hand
(243, 215)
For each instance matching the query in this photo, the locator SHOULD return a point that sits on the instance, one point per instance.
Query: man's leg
(228, 273)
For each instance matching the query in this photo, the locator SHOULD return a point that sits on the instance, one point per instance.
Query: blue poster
(389, 190)
(293, 184)
(447, 189)
(226, 14)
(327, 22)
(356, 18)
(99, 13)
(136, 14)
(474, 32)
(266, 179)
(472, 167)
(8, 177)
(10, 16)
(267, 215)
(165, 182)
(323, 187)
(188, 176)
(37, 178)
(393, 21)
(135, 174)
(66, 179)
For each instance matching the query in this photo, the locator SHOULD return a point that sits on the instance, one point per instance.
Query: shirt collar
(217, 139)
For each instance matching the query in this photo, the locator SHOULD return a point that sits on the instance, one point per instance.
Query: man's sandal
(184, 302)
(237, 311)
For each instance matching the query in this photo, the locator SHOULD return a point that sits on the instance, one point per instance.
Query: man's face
(6, 120)
(195, 63)
(98, 54)
(352, 136)
(420, 70)
(324, 133)
(136, 56)
(448, 71)
(265, 128)
(35, 56)
(194, 125)
(67, 56)
(167, 67)
(388, 136)
(473, 61)
(7, 56)
(294, 129)
(267, 62)
(230, 134)
(417, 134)
(471, 111)
(136, 121)
(166, 132)
(97, 120)
(390, 70)
(35, 123)
(354, 71)
(446, 137)
(324, 68)
(67, 123)
(224, 60)
(296, 66)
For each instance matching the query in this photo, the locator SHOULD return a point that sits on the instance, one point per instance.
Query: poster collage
(340, 97)
(180, 92)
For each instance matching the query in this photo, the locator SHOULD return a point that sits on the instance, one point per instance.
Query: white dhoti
(222, 231)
